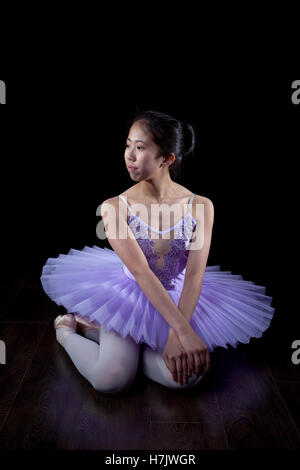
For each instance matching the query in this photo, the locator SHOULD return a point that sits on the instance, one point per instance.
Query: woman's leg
(92, 334)
(155, 368)
(109, 366)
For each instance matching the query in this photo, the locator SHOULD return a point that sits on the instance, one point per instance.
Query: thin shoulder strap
(190, 201)
(125, 201)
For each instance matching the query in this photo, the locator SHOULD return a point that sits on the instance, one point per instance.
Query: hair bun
(188, 138)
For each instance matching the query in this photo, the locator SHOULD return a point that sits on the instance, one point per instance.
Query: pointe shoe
(83, 325)
(66, 321)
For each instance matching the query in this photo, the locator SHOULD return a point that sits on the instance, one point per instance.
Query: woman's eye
(139, 147)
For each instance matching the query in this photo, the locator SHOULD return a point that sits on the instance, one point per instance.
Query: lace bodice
(166, 250)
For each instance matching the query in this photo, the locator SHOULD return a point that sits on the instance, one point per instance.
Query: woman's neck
(159, 193)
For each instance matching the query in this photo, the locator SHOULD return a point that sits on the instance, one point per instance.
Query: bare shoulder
(128, 192)
(112, 206)
(111, 200)
(208, 207)
(198, 199)
(202, 199)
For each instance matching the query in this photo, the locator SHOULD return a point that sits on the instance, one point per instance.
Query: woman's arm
(197, 259)
(161, 300)
(127, 248)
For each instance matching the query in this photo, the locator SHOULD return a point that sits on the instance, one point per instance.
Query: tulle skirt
(96, 284)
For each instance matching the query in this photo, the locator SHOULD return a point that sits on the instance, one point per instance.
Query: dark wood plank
(47, 405)
(197, 404)
(291, 393)
(254, 412)
(21, 340)
(176, 415)
(278, 356)
(187, 436)
(59, 409)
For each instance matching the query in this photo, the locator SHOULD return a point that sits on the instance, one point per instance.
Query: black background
(62, 144)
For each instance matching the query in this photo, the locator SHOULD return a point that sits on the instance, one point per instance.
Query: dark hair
(171, 135)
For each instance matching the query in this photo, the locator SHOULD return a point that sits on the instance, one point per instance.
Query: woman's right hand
(196, 350)
(175, 358)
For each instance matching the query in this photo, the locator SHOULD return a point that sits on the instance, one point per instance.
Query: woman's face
(142, 153)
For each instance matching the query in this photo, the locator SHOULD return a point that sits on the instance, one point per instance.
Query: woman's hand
(196, 350)
(176, 358)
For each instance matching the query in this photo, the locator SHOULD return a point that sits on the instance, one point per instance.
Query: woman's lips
(131, 168)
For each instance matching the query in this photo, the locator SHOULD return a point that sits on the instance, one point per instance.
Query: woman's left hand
(176, 359)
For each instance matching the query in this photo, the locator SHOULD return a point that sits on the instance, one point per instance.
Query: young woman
(153, 293)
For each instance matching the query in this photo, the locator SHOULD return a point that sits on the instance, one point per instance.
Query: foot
(83, 325)
(64, 325)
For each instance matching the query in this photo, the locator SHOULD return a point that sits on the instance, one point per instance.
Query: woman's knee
(113, 381)
(115, 375)
(118, 364)
(192, 381)
(112, 385)
(156, 369)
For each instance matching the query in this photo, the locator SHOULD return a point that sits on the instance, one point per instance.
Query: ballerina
(152, 293)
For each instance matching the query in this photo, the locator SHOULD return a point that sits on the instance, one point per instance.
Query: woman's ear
(170, 157)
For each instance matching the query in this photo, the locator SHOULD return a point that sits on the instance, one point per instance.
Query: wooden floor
(250, 399)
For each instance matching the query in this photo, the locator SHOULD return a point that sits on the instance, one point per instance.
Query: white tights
(110, 362)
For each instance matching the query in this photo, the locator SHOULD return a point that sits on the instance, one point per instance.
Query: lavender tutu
(96, 284)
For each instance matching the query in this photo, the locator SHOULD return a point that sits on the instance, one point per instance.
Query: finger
(190, 361)
(203, 363)
(173, 369)
(197, 361)
(166, 361)
(207, 362)
(179, 369)
(184, 369)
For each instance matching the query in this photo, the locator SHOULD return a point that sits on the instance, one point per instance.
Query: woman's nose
(131, 156)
